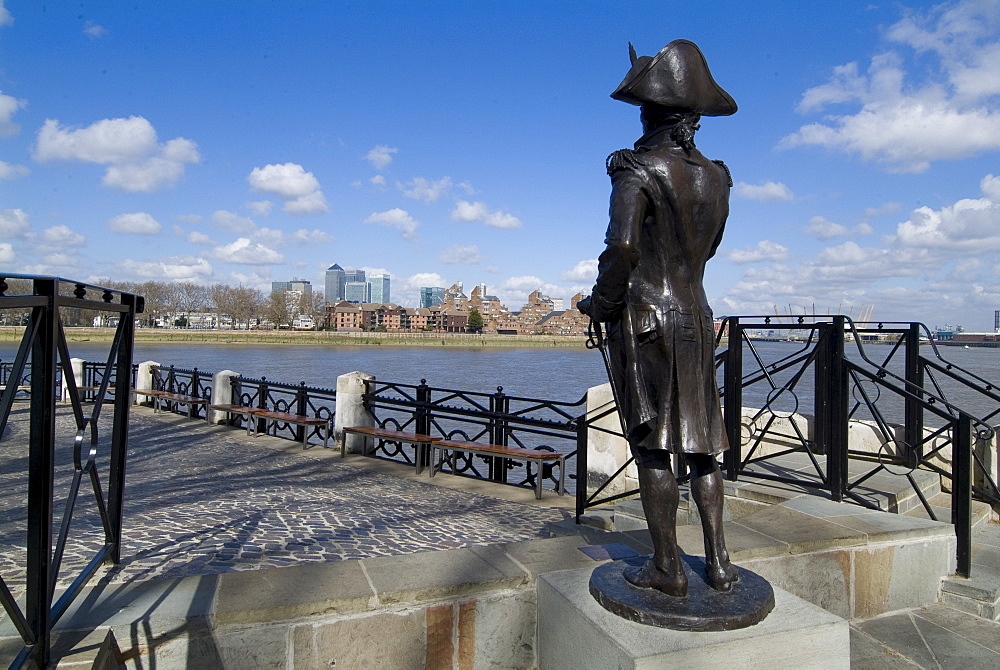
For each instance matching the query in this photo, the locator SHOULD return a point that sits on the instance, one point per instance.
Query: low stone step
(980, 593)
(941, 505)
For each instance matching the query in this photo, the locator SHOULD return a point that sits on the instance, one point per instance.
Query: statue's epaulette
(621, 160)
(729, 174)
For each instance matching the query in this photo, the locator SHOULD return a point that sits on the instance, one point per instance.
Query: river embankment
(320, 338)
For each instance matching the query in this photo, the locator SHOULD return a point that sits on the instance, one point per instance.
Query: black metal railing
(494, 418)
(43, 345)
(183, 382)
(291, 398)
(806, 396)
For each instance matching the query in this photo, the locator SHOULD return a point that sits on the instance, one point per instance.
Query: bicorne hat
(677, 77)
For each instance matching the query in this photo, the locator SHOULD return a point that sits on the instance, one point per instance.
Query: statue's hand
(584, 305)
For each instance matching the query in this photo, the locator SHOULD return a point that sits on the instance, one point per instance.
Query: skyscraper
(431, 295)
(336, 278)
(379, 288)
(357, 291)
(354, 275)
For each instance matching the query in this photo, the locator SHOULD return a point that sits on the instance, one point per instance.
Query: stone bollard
(606, 453)
(222, 394)
(351, 409)
(76, 364)
(144, 377)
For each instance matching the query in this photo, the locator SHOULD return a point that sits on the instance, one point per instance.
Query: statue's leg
(707, 491)
(658, 488)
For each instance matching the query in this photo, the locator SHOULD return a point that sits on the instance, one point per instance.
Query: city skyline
(243, 143)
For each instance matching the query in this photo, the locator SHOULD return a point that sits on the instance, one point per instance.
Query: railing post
(499, 406)
(423, 418)
(119, 429)
(196, 392)
(831, 404)
(301, 405)
(261, 404)
(733, 398)
(171, 380)
(913, 423)
(41, 457)
(961, 494)
(582, 468)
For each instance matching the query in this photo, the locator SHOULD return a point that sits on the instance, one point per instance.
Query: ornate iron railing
(292, 398)
(44, 344)
(494, 418)
(183, 382)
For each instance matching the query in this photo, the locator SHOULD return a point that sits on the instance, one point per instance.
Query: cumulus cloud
(13, 223)
(10, 171)
(244, 252)
(478, 211)
(137, 223)
(381, 156)
(425, 189)
(768, 191)
(5, 16)
(904, 124)
(62, 236)
(396, 218)
(969, 225)
(764, 251)
(233, 221)
(8, 107)
(6, 252)
(136, 161)
(260, 207)
(458, 254)
(378, 181)
(177, 268)
(824, 229)
(289, 181)
(314, 236)
(93, 30)
(195, 237)
(584, 271)
(189, 218)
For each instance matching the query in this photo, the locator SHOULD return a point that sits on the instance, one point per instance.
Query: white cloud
(584, 271)
(970, 225)
(381, 156)
(62, 236)
(905, 124)
(260, 207)
(415, 282)
(5, 16)
(195, 237)
(137, 223)
(8, 106)
(990, 186)
(136, 161)
(289, 181)
(396, 218)
(13, 223)
(824, 229)
(378, 181)
(245, 252)
(478, 211)
(764, 251)
(233, 221)
(189, 218)
(426, 190)
(178, 268)
(93, 30)
(314, 236)
(6, 252)
(882, 210)
(458, 254)
(769, 191)
(11, 171)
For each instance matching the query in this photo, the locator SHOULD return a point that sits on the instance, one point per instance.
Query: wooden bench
(443, 450)
(297, 419)
(244, 412)
(166, 398)
(421, 443)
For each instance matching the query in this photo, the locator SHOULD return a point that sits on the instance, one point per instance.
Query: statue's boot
(651, 577)
(722, 576)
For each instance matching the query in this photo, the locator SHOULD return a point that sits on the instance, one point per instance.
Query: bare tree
(190, 297)
(246, 305)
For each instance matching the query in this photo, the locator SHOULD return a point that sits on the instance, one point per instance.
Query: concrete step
(941, 505)
(980, 594)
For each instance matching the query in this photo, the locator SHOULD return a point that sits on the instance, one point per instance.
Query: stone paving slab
(203, 500)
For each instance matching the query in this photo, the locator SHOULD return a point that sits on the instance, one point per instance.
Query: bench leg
(538, 479)
(562, 475)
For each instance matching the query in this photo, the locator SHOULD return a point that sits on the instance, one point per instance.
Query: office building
(379, 288)
(357, 291)
(431, 296)
(303, 286)
(336, 278)
(354, 276)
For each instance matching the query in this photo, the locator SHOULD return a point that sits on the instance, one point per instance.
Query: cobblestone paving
(205, 501)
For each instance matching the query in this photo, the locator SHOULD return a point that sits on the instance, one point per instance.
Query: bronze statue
(668, 209)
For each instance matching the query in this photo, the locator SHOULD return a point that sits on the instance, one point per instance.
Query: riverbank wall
(324, 338)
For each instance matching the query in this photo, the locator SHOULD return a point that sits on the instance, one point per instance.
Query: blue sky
(245, 142)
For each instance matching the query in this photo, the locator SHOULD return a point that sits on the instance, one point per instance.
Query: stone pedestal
(574, 632)
(351, 409)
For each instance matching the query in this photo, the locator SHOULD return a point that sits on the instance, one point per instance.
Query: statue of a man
(668, 208)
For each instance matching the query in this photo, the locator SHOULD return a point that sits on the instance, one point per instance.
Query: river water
(561, 374)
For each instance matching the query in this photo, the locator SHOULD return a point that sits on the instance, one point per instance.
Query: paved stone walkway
(205, 500)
